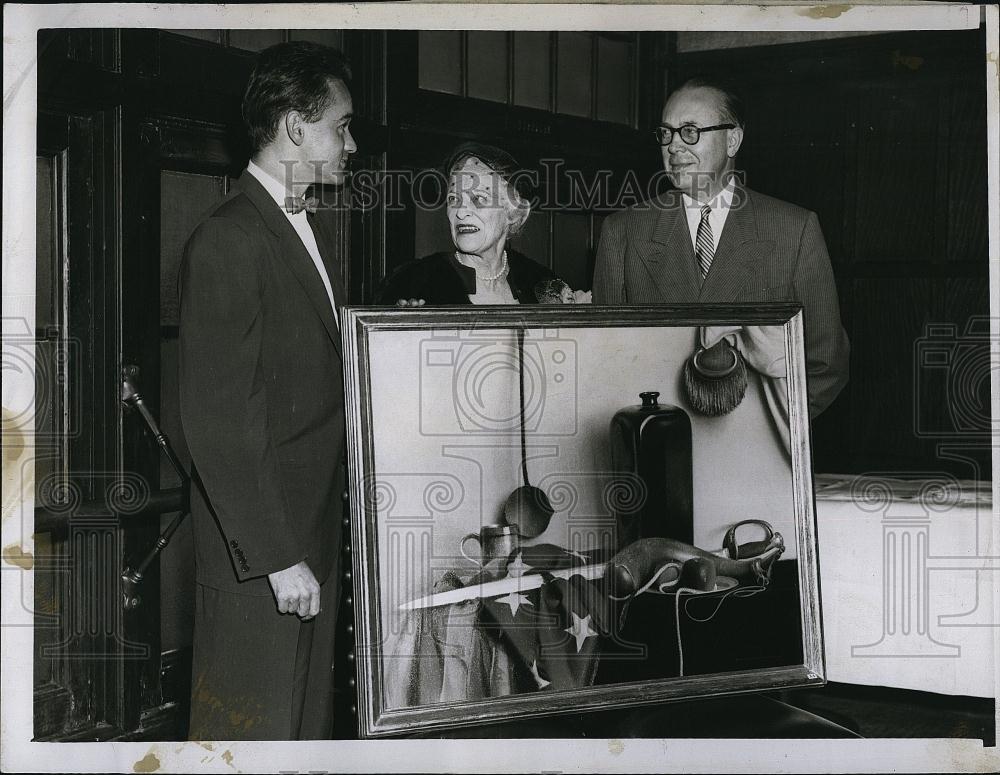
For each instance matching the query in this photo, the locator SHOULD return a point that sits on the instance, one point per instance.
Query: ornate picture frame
(671, 556)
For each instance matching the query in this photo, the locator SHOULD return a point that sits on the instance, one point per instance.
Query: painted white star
(515, 600)
(518, 568)
(581, 630)
(542, 683)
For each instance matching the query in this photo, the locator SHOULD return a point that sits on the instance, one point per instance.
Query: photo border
(20, 84)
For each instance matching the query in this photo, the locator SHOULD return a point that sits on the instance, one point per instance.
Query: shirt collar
(723, 200)
(271, 184)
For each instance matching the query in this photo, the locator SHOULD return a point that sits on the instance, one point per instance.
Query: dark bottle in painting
(651, 444)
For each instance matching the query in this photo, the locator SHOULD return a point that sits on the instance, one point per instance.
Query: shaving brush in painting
(553, 292)
(715, 379)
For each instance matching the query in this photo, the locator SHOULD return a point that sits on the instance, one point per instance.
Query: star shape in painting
(542, 683)
(580, 630)
(515, 600)
(517, 568)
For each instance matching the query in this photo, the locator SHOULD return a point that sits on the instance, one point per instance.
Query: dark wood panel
(530, 121)
(184, 63)
(255, 40)
(184, 199)
(615, 59)
(49, 608)
(801, 160)
(532, 70)
(431, 232)
(962, 306)
(52, 711)
(895, 205)
(439, 66)
(197, 147)
(100, 47)
(882, 371)
(327, 37)
(901, 408)
(967, 225)
(574, 93)
(139, 320)
(911, 54)
(571, 237)
(487, 65)
(535, 238)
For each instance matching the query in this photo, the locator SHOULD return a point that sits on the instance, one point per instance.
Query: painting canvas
(572, 507)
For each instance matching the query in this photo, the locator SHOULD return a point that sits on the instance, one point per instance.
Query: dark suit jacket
(769, 251)
(261, 395)
(441, 279)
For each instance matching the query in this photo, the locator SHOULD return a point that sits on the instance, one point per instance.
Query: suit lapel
(669, 257)
(739, 252)
(326, 243)
(293, 253)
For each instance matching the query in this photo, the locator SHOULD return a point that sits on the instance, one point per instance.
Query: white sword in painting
(490, 589)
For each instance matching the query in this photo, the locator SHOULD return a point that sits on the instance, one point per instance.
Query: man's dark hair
(733, 111)
(290, 76)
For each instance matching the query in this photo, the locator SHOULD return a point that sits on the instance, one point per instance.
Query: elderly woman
(485, 209)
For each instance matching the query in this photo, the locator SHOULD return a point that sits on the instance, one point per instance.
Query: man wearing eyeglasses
(714, 240)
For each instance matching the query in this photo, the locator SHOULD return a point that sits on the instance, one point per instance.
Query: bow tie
(296, 204)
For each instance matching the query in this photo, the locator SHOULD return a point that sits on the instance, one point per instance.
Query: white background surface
(740, 470)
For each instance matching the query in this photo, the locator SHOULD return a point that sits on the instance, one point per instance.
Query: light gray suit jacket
(769, 251)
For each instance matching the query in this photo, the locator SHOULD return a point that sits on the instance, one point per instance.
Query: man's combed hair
(733, 110)
(290, 76)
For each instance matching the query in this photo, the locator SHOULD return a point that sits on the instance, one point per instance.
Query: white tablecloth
(908, 575)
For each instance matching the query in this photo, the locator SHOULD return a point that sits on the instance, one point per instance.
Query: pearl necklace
(492, 278)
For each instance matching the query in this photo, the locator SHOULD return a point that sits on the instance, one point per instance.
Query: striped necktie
(704, 244)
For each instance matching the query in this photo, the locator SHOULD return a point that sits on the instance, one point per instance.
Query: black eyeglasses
(689, 133)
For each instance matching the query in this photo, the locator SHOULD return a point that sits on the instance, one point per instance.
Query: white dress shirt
(716, 219)
(299, 222)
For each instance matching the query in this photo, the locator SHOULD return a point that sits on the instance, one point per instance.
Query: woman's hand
(582, 297)
(410, 302)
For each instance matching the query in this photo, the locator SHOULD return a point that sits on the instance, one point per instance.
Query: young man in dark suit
(262, 407)
(716, 241)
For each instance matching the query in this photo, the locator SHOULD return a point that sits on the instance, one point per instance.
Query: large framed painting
(569, 508)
